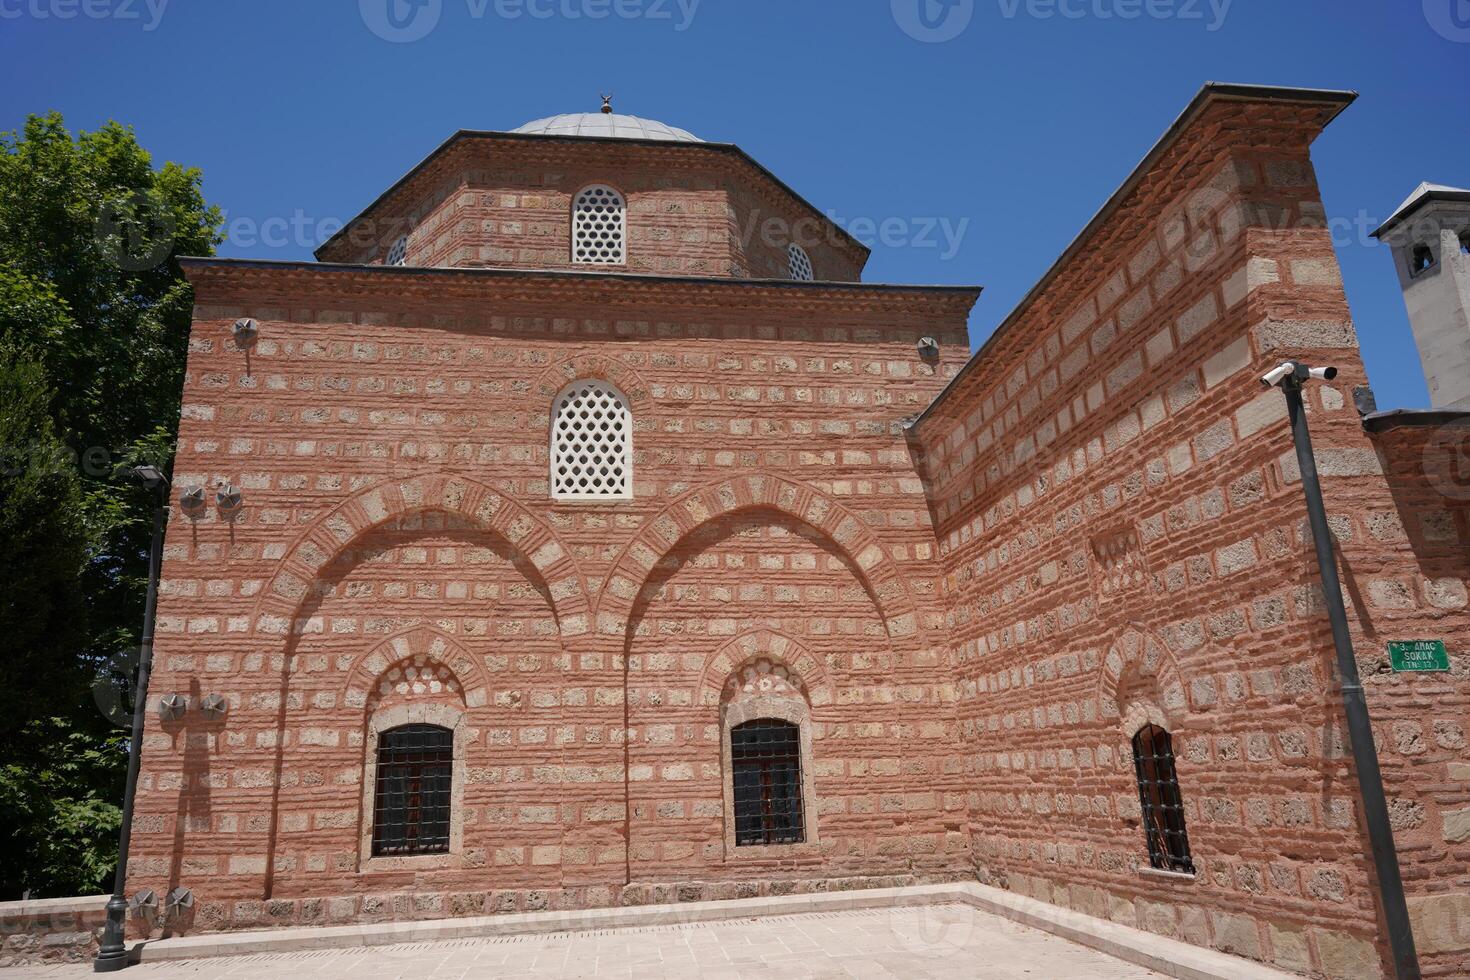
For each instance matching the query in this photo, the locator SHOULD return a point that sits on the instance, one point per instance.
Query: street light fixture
(113, 953)
(1290, 377)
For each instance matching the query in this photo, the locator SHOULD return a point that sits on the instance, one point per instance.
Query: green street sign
(1418, 655)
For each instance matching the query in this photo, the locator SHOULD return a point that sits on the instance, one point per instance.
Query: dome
(606, 124)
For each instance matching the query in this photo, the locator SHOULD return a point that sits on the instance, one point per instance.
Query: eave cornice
(392, 286)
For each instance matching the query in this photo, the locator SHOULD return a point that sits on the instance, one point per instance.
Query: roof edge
(495, 134)
(1377, 423)
(1409, 210)
(1208, 93)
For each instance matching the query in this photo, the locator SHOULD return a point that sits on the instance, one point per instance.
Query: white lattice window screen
(800, 263)
(599, 231)
(398, 254)
(591, 443)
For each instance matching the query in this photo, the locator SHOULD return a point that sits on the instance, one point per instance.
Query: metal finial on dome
(607, 105)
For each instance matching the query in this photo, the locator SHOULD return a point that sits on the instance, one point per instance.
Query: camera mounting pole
(1290, 376)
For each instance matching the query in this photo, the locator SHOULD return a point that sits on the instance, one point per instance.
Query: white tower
(1430, 238)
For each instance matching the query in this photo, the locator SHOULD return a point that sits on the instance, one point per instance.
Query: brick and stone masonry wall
(506, 203)
(1403, 522)
(51, 930)
(390, 433)
(1124, 540)
(1099, 524)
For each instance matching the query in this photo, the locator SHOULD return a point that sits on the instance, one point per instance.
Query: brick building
(604, 539)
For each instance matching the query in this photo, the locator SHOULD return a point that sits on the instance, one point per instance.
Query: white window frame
(621, 223)
(558, 451)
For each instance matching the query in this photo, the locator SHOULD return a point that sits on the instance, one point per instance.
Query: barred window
(799, 263)
(765, 756)
(1158, 791)
(398, 253)
(598, 226)
(591, 443)
(411, 797)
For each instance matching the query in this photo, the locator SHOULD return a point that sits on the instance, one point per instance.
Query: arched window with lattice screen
(599, 226)
(799, 263)
(398, 252)
(591, 443)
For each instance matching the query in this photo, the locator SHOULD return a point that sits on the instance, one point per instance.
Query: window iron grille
(412, 792)
(1163, 808)
(765, 758)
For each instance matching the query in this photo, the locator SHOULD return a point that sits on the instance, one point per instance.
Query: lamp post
(1290, 377)
(113, 954)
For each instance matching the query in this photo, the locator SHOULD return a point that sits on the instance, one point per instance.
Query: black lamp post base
(114, 952)
(108, 963)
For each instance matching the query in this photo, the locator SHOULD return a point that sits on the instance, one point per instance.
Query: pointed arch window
(799, 263)
(1163, 807)
(599, 226)
(412, 796)
(591, 443)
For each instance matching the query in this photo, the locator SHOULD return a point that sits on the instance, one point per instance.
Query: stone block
(1344, 957)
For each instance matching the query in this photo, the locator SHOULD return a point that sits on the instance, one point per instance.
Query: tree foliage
(94, 325)
(63, 795)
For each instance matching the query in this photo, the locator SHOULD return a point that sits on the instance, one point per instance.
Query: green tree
(94, 325)
(41, 525)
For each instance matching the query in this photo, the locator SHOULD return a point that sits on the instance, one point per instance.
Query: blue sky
(1005, 123)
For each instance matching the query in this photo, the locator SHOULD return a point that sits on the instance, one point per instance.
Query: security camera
(1295, 370)
(1278, 374)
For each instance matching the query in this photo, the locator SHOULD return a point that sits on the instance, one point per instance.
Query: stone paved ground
(923, 943)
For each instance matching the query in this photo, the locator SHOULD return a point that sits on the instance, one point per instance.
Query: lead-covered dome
(606, 124)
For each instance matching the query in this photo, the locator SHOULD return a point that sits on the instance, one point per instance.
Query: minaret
(1430, 238)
